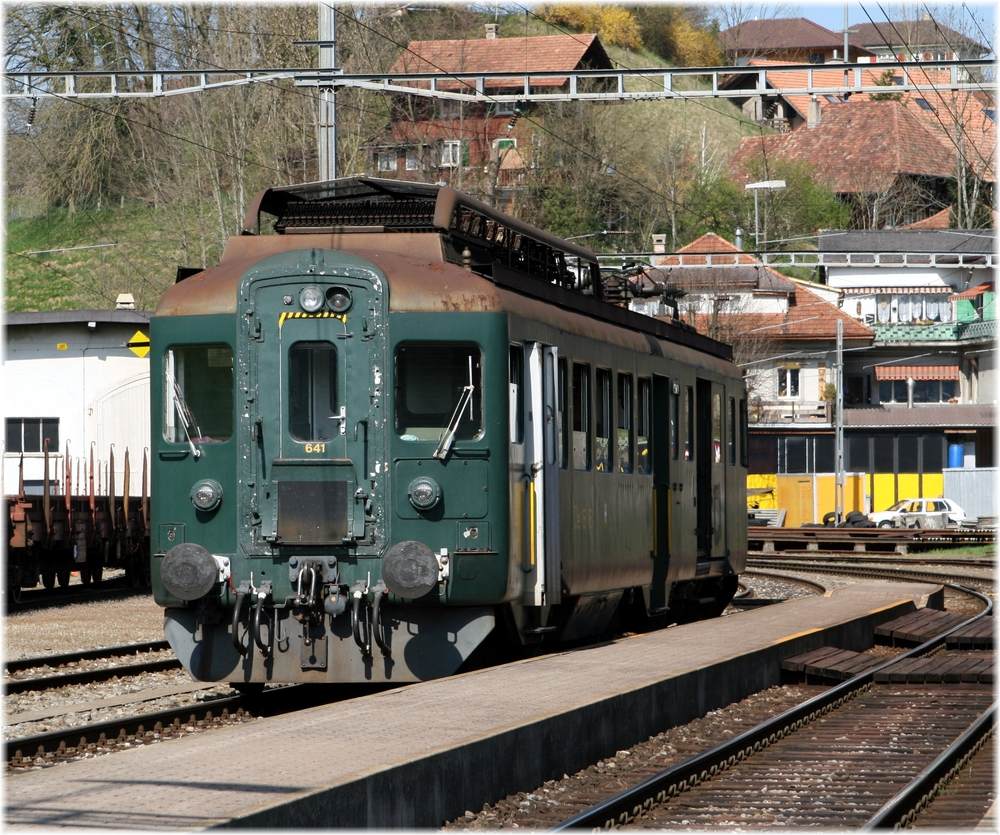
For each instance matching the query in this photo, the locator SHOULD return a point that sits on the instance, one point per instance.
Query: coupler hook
(263, 593)
(242, 594)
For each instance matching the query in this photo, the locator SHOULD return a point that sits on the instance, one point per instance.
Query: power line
(534, 122)
(975, 20)
(933, 110)
(954, 51)
(739, 119)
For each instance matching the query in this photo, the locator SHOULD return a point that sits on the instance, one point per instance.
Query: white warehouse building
(76, 378)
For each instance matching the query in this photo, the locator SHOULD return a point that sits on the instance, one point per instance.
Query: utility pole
(327, 130)
(846, 58)
(838, 432)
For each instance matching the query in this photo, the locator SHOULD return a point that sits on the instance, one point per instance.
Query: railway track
(822, 741)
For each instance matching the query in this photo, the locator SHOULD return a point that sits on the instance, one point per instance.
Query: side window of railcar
(431, 383)
(624, 423)
(516, 379)
(602, 425)
(312, 391)
(731, 434)
(675, 416)
(689, 423)
(581, 417)
(744, 440)
(198, 394)
(563, 383)
(643, 451)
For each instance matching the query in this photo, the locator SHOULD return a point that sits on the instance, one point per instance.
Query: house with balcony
(793, 39)
(921, 40)
(919, 386)
(483, 148)
(923, 397)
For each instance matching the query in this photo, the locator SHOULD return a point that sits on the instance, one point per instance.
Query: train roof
(431, 223)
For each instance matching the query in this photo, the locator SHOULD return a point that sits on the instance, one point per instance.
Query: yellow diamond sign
(138, 344)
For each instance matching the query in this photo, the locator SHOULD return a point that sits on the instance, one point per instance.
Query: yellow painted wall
(884, 492)
(933, 485)
(795, 493)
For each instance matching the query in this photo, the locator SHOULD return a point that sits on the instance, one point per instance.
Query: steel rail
(24, 685)
(628, 804)
(862, 571)
(98, 732)
(904, 807)
(61, 659)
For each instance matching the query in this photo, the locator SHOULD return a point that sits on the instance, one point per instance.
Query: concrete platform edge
(443, 785)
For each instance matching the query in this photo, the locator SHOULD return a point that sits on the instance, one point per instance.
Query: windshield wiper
(464, 399)
(187, 418)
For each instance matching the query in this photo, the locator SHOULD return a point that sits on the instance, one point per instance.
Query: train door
(718, 470)
(662, 431)
(317, 387)
(541, 468)
(703, 464)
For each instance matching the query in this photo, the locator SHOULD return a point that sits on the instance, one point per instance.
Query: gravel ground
(89, 664)
(775, 588)
(563, 797)
(77, 626)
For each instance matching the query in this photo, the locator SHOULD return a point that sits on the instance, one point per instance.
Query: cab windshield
(432, 382)
(198, 394)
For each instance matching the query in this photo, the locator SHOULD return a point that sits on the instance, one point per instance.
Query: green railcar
(404, 421)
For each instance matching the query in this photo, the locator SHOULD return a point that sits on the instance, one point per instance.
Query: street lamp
(756, 188)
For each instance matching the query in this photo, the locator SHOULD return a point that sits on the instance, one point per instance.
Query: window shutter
(465, 152)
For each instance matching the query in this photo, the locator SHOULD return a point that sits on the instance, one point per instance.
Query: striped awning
(892, 291)
(916, 372)
(972, 292)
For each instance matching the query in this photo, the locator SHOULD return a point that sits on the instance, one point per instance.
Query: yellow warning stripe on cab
(299, 314)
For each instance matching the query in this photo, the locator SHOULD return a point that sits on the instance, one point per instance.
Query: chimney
(814, 113)
(125, 301)
(491, 31)
(739, 237)
(659, 243)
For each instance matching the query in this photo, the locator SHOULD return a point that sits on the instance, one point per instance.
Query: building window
(451, 153)
(892, 391)
(413, 159)
(788, 382)
(449, 108)
(504, 108)
(30, 434)
(386, 160)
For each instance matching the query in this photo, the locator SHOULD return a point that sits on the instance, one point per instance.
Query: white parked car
(923, 513)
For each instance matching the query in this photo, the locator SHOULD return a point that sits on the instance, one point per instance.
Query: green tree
(886, 80)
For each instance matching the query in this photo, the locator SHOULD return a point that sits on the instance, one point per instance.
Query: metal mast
(327, 126)
(838, 435)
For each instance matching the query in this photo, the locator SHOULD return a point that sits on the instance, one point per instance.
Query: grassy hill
(133, 249)
(137, 248)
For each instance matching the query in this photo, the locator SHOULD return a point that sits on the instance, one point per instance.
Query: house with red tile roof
(783, 332)
(921, 40)
(881, 157)
(793, 39)
(481, 148)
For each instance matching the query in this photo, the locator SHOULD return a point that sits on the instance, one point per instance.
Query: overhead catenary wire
(739, 119)
(944, 128)
(535, 122)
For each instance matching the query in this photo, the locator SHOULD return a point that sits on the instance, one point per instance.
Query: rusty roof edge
(448, 198)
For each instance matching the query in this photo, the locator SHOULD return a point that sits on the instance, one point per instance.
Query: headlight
(206, 494)
(424, 492)
(339, 299)
(310, 298)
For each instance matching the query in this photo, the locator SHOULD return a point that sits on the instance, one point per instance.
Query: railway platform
(423, 754)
